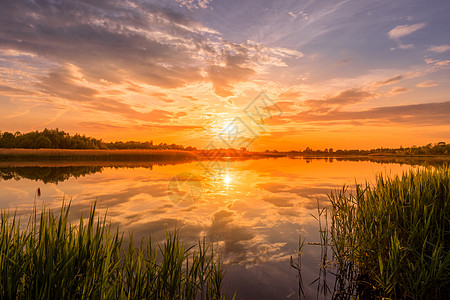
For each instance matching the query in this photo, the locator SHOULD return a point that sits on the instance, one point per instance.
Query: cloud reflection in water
(253, 213)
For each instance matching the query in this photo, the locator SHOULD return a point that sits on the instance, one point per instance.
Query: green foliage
(58, 139)
(440, 148)
(7, 140)
(52, 259)
(42, 142)
(396, 235)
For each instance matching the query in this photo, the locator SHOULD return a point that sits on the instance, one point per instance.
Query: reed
(49, 258)
(392, 239)
(94, 155)
(297, 265)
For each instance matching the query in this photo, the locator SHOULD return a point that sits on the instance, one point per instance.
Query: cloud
(233, 71)
(123, 196)
(176, 128)
(132, 87)
(281, 107)
(404, 30)
(238, 62)
(403, 46)
(289, 95)
(439, 49)
(427, 114)
(279, 201)
(117, 42)
(391, 80)
(194, 4)
(398, 90)
(304, 16)
(163, 97)
(108, 126)
(225, 228)
(109, 41)
(438, 63)
(343, 62)
(101, 126)
(443, 63)
(283, 195)
(64, 82)
(7, 90)
(347, 97)
(303, 191)
(190, 98)
(427, 83)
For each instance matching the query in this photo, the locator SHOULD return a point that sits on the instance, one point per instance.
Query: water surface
(253, 211)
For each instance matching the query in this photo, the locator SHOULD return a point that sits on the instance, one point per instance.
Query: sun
(227, 179)
(216, 123)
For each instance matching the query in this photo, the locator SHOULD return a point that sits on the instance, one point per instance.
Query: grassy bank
(51, 259)
(95, 155)
(122, 156)
(392, 239)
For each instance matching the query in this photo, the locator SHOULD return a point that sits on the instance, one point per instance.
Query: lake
(253, 211)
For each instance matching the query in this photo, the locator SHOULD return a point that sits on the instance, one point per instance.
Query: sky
(258, 74)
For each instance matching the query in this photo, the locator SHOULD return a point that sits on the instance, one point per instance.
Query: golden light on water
(227, 179)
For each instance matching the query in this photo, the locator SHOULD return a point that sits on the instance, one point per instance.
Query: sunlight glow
(227, 179)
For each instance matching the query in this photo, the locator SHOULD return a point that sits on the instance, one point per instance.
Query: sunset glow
(227, 179)
(344, 74)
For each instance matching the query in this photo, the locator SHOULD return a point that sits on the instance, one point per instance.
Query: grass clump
(51, 259)
(392, 239)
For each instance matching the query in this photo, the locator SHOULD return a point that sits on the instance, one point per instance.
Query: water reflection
(253, 211)
(47, 174)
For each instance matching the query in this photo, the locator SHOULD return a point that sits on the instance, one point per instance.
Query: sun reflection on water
(227, 179)
(252, 210)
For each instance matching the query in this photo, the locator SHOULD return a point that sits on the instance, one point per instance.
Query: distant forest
(440, 148)
(58, 139)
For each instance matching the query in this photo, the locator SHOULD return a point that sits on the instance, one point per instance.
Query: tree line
(58, 139)
(440, 148)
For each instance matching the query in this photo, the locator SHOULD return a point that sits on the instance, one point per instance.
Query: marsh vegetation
(50, 258)
(390, 240)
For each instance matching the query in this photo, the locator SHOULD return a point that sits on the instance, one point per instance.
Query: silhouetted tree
(58, 139)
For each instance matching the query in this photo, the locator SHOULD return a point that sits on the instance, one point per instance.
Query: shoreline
(66, 156)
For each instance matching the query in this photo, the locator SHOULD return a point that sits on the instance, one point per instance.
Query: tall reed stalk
(52, 259)
(392, 239)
